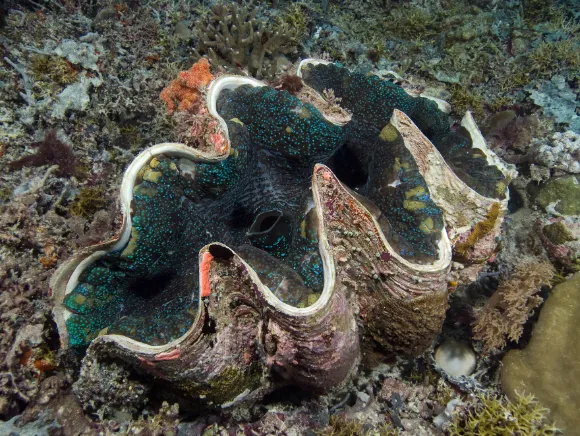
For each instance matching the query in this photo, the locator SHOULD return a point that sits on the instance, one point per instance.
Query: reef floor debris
(283, 262)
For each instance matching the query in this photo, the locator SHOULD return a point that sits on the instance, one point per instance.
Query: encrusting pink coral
(185, 92)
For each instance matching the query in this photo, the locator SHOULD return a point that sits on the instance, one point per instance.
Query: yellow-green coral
(551, 58)
(88, 202)
(342, 426)
(539, 10)
(5, 194)
(52, 69)
(499, 103)
(295, 18)
(516, 78)
(463, 99)
(497, 416)
(481, 229)
(414, 22)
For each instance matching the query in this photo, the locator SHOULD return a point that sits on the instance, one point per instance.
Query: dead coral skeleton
(504, 315)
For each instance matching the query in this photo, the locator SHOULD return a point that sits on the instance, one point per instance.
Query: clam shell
(473, 221)
(464, 209)
(244, 340)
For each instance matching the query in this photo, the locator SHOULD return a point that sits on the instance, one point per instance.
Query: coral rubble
(350, 213)
(561, 152)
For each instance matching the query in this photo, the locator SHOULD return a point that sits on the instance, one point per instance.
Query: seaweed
(50, 150)
(289, 82)
(498, 416)
(88, 202)
(480, 230)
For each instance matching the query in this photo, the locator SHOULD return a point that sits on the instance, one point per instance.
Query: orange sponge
(185, 92)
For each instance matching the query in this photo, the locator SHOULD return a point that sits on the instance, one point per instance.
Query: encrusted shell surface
(464, 209)
(244, 340)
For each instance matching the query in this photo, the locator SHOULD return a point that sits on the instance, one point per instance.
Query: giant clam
(310, 242)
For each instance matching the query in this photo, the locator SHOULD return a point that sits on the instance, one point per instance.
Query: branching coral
(508, 309)
(185, 92)
(235, 40)
(500, 417)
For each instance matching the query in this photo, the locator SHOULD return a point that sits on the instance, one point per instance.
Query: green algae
(558, 233)
(562, 193)
(89, 201)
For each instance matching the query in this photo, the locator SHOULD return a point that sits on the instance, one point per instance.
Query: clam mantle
(309, 242)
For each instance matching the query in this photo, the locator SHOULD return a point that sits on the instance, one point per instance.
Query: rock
(561, 152)
(108, 388)
(54, 411)
(561, 195)
(74, 96)
(549, 367)
(44, 426)
(557, 100)
(364, 397)
(455, 358)
(84, 54)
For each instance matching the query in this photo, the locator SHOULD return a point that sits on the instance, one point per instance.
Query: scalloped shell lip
(441, 104)
(509, 170)
(467, 122)
(66, 277)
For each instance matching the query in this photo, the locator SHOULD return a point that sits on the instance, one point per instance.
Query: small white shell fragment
(455, 358)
